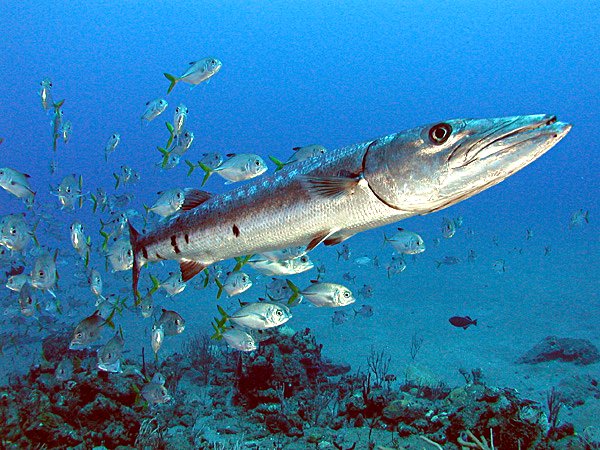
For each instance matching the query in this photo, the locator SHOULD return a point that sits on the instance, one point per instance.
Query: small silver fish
(397, 265)
(27, 301)
(344, 253)
(339, 317)
(66, 131)
(406, 242)
(183, 144)
(236, 283)
(300, 154)
(211, 160)
(87, 332)
(238, 167)
(127, 176)
(448, 261)
(120, 255)
(168, 202)
(44, 274)
(78, 239)
(366, 291)
(278, 289)
(240, 340)
(157, 338)
(154, 108)
(70, 191)
(155, 394)
(46, 94)
(261, 315)
(64, 370)
(111, 144)
(95, 280)
(578, 218)
(15, 233)
(16, 183)
(171, 323)
(278, 268)
(286, 253)
(364, 311)
(499, 266)
(109, 355)
(198, 72)
(326, 294)
(179, 119)
(147, 306)
(448, 228)
(174, 284)
(16, 282)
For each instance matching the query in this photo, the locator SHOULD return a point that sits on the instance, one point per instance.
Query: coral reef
(285, 395)
(577, 351)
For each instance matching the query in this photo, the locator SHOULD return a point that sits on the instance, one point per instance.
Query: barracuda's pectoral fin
(338, 237)
(330, 187)
(193, 198)
(321, 237)
(190, 268)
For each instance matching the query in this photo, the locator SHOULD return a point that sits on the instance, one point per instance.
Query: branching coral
(482, 444)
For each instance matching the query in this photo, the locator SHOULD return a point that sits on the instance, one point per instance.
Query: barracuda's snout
(435, 166)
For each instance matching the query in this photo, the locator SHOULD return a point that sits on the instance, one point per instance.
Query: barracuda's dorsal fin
(193, 198)
(330, 187)
(189, 269)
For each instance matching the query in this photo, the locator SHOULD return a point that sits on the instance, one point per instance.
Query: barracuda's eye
(438, 134)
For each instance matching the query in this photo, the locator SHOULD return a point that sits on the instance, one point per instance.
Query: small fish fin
(170, 127)
(193, 198)
(192, 167)
(173, 81)
(230, 155)
(207, 172)
(58, 105)
(296, 148)
(189, 269)
(241, 262)
(330, 187)
(95, 202)
(155, 285)
(318, 239)
(224, 316)
(278, 163)
(118, 180)
(220, 286)
(218, 334)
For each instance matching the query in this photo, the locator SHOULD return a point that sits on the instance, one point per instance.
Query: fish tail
(173, 81)
(278, 163)
(295, 290)
(94, 201)
(192, 167)
(155, 285)
(586, 217)
(117, 179)
(475, 322)
(136, 267)
(439, 263)
(207, 172)
(220, 285)
(165, 159)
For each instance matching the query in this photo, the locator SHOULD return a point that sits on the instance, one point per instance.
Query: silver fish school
(356, 188)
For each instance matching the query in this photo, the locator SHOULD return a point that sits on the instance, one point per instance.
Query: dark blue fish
(462, 322)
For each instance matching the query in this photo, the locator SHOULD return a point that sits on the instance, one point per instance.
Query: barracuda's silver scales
(352, 189)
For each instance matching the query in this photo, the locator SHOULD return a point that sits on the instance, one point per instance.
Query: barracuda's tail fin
(137, 266)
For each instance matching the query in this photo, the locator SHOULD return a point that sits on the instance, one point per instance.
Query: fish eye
(79, 335)
(41, 273)
(279, 312)
(438, 134)
(304, 259)
(347, 294)
(177, 322)
(13, 231)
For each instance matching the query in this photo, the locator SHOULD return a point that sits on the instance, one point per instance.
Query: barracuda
(330, 198)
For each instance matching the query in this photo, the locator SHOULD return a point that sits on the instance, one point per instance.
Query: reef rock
(578, 351)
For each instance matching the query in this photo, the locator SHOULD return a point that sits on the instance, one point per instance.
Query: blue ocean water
(300, 73)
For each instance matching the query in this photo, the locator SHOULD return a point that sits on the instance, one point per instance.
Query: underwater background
(295, 74)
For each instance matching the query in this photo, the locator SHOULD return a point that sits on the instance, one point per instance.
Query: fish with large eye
(439, 134)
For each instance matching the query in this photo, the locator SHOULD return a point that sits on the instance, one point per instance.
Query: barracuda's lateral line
(332, 197)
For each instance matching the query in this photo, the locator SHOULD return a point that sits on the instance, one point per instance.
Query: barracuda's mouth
(507, 138)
